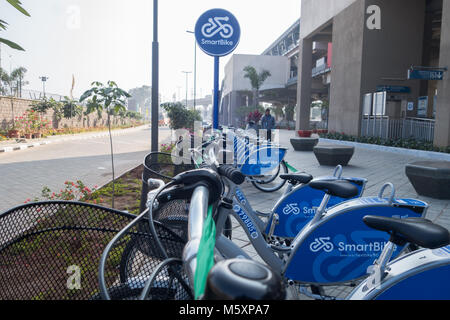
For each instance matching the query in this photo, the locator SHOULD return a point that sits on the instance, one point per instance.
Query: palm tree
(256, 81)
(3, 76)
(18, 75)
(3, 24)
(14, 80)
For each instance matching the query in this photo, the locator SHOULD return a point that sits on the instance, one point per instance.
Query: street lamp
(187, 82)
(155, 80)
(44, 80)
(195, 67)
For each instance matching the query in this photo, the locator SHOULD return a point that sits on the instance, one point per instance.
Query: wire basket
(150, 257)
(51, 250)
(163, 166)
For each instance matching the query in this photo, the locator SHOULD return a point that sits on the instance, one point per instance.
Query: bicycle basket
(51, 250)
(142, 260)
(164, 166)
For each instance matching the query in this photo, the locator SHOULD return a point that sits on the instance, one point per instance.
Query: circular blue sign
(217, 32)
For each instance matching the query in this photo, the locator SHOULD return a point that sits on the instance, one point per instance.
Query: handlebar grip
(232, 173)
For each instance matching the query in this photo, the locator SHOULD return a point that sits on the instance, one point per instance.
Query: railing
(387, 128)
(320, 70)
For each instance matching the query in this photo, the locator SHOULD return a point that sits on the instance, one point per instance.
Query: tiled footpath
(377, 165)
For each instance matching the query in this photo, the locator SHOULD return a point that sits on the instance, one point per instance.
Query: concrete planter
(304, 144)
(430, 178)
(333, 155)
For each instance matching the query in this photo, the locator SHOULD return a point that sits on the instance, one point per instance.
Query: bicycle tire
(261, 186)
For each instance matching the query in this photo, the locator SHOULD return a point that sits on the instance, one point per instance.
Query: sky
(101, 40)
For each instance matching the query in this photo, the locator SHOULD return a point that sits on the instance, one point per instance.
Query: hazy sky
(111, 40)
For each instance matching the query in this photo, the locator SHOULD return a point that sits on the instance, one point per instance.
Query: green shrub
(397, 143)
(180, 117)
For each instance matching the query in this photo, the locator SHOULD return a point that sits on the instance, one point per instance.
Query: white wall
(316, 13)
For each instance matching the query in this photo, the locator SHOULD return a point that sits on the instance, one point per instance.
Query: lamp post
(195, 68)
(44, 80)
(155, 80)
(187, 83)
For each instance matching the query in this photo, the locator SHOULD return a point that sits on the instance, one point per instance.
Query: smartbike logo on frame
(325, 244)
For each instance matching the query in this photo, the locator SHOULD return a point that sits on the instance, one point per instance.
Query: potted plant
(304, 133)
(14, 130)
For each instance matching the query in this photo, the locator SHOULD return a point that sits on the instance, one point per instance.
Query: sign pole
(217, 33)
(155, 80)
(216, 94)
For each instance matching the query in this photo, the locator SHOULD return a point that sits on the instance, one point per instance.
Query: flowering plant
(30, 122)
(167, 148)
(254, 116)
(72, 192)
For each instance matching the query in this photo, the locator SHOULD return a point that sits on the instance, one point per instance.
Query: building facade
(356, 54)
(280, 89)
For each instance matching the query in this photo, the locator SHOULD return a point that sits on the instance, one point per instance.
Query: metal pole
(216, 94)
(155, 80)
(187, 84)
(195, 68)
(195, 73)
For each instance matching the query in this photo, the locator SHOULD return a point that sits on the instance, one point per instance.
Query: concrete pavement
(376, 165)
(24, 173)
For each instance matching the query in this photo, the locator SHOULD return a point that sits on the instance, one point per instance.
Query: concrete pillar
(304, 85)
(442, 129)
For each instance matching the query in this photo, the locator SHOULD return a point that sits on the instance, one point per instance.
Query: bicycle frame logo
(291, 208)
(248, 223)
(321, 243)
(215, 26)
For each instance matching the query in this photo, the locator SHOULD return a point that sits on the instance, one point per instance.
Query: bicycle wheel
(272, 181)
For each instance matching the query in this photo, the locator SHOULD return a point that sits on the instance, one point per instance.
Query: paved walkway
(84, 157)
(378, 167)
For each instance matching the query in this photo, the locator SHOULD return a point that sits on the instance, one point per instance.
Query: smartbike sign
(217, 32)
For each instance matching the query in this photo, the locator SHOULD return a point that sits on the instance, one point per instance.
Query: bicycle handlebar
(231, 173)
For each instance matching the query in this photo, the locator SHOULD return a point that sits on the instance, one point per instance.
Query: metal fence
(387, 128)
(32, 95)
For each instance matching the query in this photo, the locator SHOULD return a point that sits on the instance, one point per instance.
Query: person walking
(268, 123)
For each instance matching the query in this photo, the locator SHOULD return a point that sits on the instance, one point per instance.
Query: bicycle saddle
(297, 178)
(338, 188)
(418, 231)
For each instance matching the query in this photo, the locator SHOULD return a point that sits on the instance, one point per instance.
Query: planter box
(304, 144)
(333, 155)
(430, 178)
(14, 134)
(304, 133)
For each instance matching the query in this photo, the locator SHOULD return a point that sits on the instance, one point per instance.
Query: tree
(14, 80)
(16, 76)
(256, 81)
(3, 24)
(141, 96)
(180, 117)
(19, 75)
(106, 98)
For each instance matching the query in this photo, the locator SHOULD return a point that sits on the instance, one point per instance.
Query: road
(24, 173)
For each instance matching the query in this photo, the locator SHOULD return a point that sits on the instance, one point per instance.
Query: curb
(410, 152)
(102, 134)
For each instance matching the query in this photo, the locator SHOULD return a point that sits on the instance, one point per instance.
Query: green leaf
(3, 24)
(11, 44)
(17, 4)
